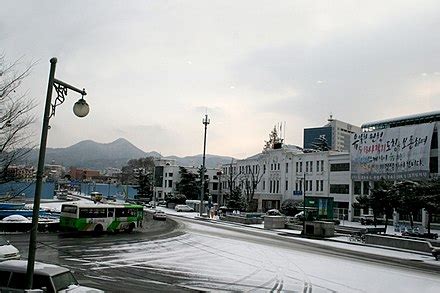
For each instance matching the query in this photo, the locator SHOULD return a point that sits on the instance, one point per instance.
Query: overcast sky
(153, 68)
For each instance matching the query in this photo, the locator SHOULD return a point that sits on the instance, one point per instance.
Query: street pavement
(183, 254)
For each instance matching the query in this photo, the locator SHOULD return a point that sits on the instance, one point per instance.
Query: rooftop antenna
(331, 117)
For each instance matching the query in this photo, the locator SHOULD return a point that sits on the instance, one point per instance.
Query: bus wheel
(98, 229)
(130, 228)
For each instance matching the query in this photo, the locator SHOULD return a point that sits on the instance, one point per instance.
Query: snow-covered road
(216, 259)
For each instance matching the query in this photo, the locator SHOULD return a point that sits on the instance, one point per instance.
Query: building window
(307, 166)
(317, 166)
(309, 185)
(296, 185)
(322, 185)
(170, 175)
(264, 185)
(287, 185)
(340, 167)
(357, 187)
(317, 185)
(366, 187)
(214, 186)
(434, 141)
(322, 165)
(278, 166)
(339, 188)
(270, 186)
(264, 168)
(433, 164)
(311, 166)
(170, 183)
(300, 167)
(297, 167)
(287, 167)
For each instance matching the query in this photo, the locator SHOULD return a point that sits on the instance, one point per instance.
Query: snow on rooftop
(401, 118)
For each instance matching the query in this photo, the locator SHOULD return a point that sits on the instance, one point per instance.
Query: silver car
(183, 208)
(47, 277)
(7, 250)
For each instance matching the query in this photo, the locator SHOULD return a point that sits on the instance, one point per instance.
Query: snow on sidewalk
(341, 242)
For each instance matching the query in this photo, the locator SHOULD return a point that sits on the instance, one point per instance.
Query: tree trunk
(429, 222)
(411, 220)
(386, 223)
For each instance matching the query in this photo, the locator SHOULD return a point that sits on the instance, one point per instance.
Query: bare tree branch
(15, 116)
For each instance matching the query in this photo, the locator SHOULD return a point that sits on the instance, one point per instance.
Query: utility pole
(304, 205)
(202, 193)
(154, 186)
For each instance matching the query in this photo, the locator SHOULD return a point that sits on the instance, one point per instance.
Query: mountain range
(94, 155)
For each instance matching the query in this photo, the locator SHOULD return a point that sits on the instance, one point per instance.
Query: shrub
(291, 207)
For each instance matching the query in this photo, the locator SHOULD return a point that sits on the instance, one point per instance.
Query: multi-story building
(53, 171)
(167, 176)
(83, 174)
(335, 133)
(288, 172)
(395, 149)
(21, 172)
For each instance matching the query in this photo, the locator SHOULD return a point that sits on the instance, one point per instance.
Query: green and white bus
(85, 216)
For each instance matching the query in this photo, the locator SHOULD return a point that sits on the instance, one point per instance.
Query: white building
(284, 173)
(167, 176)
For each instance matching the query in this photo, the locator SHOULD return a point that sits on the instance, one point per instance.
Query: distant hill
(212, 161)
(94, 155)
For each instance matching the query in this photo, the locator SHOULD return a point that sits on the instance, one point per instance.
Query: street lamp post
(202, 193)
(81, 109)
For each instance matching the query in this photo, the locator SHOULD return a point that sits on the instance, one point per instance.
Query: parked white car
(47, 277)
(183, 208)
(7, 250)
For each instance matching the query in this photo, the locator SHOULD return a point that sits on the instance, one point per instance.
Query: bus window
(69, 209)
(125, 212)
(111, 213)
(93, 213)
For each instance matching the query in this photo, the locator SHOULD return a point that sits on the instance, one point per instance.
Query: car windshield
(64, 280)
(3, 241)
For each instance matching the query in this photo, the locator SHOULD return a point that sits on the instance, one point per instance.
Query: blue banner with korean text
(392, 153)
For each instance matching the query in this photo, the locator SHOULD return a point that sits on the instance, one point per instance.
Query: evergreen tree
(188, 184)
(383, 200)
(144, 185)
(409, 201)
(236, 200)
(273, 139)
(430, 195)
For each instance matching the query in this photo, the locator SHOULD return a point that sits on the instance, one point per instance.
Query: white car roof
(20, 266)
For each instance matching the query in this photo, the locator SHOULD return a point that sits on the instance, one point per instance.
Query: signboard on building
(392, 153)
